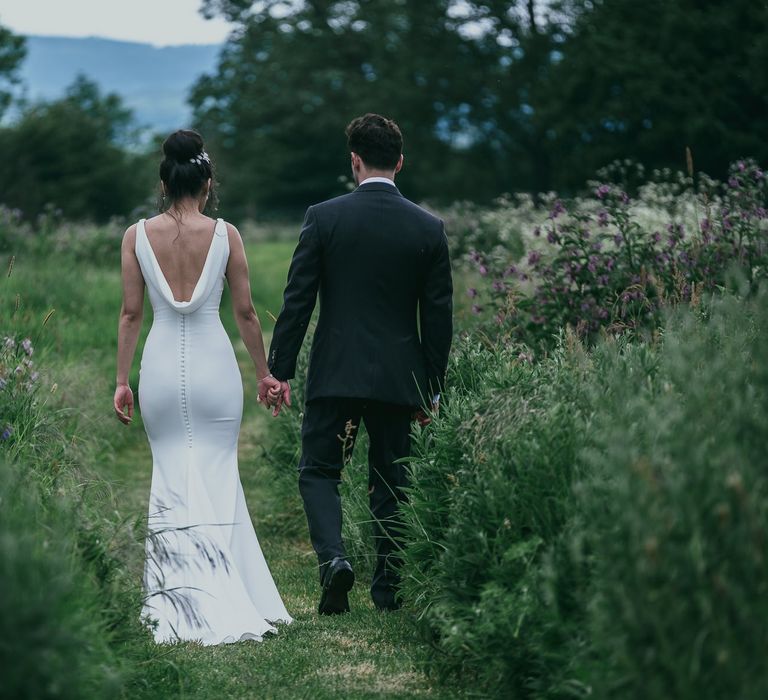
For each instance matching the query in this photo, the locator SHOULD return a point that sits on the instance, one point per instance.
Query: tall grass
(593, 524)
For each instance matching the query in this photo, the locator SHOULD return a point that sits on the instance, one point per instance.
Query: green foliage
(675, 513)
(54, 642)
(592, 523)
(490, 504)
(12, 52)
(607, 265)
(70, 155)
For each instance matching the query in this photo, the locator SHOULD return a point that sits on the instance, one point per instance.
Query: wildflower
(602, 217)
(26, 345)
(597, 245)
(758, 174)
(618, 239)
(603, 280)
(656, 237)
(483, 270)
(10, 343)
(7, 432)
(593, 262)
(741, 165)
(34, 376)
(603, 191)
(537, 231)
(498, 286)
(552, 237)
(476, 309)
(471, 292)
(601, 313)
(557, 209)
(523, 277)
(510, 271)
(534, 257)
(475, 257)
(734, 183)
(624, 198)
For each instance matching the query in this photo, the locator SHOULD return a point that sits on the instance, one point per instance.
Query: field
(363, 655)
(587, 514)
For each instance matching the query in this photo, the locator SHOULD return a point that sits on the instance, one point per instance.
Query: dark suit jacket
(380, 264)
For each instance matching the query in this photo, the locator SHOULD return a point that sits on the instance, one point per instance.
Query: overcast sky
(159, 22)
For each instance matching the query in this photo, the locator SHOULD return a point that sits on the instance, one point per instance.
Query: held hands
(123, 403)
(273, 394)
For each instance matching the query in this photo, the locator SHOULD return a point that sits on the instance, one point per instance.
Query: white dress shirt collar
(377, 179)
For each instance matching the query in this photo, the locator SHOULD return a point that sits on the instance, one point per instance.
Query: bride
(205, 576)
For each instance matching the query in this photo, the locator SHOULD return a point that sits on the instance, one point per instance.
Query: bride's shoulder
(129, 237)
(232, 233)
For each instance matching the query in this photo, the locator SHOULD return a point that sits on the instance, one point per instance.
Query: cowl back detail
(211, 278)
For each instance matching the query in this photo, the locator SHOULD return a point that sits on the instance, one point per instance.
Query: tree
(12, 52)
(294, 74)
(70, 153)
(645, 80)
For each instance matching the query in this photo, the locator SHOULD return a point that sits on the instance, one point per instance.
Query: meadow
(587, 514)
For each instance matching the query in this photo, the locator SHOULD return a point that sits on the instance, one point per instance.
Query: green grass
(366, 654)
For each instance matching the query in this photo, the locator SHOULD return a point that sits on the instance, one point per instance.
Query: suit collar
(378, 187)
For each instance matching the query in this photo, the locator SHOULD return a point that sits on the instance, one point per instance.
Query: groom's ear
(400, 162)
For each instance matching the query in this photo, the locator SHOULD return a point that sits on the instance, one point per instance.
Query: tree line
(494, 96)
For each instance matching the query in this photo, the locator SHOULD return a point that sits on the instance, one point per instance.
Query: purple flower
(471, 292)
(537, 231)
(552, 236)
(602, 217)
(534, 257)
(10, 342)
(7, 432)
(656, 237)
(475, 257)
(499, 286)
(523, 277)
(602, 313)
(760, 213)
(483, 270)
(510, 271)
(26, 345)
(758, 174)
(557, 209)
(597, 245)
(476, 309)
(734, 183)
(593, 263)
(603, 191)
(618, 239)
(742, 166)
(603, 280)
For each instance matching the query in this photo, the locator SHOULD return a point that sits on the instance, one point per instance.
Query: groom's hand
(285, 398)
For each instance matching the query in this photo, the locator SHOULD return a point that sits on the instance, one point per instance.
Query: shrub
(593, 524)
(675, 513)
(603, 267)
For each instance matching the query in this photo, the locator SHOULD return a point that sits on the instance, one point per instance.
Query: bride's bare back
(181, 250)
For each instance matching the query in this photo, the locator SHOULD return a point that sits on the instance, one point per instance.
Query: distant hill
(154, 82)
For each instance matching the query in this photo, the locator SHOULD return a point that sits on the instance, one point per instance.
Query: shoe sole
(334, 600)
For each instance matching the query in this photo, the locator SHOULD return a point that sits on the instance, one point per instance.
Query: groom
(379, 354)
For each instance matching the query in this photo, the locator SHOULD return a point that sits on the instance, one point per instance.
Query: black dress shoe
(337, 582)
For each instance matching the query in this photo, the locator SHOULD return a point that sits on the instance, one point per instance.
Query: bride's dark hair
(186, 167)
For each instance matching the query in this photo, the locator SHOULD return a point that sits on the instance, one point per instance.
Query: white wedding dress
(205, 575)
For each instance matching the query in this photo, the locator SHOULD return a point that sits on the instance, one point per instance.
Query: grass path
(366, 654)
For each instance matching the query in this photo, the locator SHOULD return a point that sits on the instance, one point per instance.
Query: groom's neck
(365, 174)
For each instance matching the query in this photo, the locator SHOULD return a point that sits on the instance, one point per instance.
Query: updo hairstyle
(186, 167)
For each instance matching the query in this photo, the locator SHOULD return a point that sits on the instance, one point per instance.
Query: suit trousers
(328, 436)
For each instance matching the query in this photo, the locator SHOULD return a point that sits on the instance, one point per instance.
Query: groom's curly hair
(376, 139)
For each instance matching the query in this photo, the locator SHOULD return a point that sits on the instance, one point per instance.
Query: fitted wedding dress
(205, 575)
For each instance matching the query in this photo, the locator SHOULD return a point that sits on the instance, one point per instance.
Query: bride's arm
(245, 314)
(129, 325)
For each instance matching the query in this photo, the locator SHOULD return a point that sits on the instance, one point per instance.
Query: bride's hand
(123, 403)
